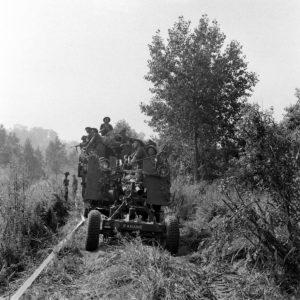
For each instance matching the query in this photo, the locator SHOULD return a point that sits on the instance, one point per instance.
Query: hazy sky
(65, 64)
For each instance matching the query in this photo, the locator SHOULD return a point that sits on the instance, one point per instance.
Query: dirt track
(106, 274)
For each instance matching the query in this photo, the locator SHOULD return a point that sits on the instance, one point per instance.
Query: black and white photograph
(150, 149)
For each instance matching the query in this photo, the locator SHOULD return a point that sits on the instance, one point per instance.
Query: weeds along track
(126, 270)
(19, 293)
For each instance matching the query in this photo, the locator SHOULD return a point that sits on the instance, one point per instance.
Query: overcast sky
(65, 64)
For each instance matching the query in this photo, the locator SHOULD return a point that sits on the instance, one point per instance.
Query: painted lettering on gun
(132, 226)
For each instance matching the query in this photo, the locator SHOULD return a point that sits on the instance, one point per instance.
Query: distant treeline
(38, 158)
(39, 137)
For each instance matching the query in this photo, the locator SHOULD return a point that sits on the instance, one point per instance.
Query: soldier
(151, 148)
(151, 151)
(89, 133)
(138, 155)
(84, 140)
(83, 143)
(106, 128)
(124, 144)
(96, 144)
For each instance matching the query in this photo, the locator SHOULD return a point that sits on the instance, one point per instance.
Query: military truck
(120, 200)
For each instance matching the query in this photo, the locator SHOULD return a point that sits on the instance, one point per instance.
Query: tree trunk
(196, 156)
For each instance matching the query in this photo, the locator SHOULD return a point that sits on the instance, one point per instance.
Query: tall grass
(30, 215)
(225, 227)
(190, 201)
(132, 270)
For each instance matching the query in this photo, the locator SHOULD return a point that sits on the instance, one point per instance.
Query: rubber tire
(92, 239)
(172, 234)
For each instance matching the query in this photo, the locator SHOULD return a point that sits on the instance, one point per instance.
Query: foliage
(267, 164)
(130, 132)
(133, 270)
(30, 215)
(228, 231)
(56, 156)
(72, 159)
(198, 85)
(38, 136)
(255, 214)
(130, 270)
(291, 119)
(9, 146)
(33, 160)
(269, 159)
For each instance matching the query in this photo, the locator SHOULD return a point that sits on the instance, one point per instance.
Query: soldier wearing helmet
(96, 144)
(106, 127)
(84, 142)
(138, 155)
(89, 133)
(151, 148)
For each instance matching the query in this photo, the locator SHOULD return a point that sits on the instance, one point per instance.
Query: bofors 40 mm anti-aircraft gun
(122, 201)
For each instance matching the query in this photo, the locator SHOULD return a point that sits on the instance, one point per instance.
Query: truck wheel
(172, 234)
(92, 239)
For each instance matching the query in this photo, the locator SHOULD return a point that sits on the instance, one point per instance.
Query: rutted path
(129, 270)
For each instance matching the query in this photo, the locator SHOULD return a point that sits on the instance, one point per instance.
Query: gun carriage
(119, 200)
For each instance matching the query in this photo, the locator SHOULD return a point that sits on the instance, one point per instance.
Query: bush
(268, 164)
(226, 222)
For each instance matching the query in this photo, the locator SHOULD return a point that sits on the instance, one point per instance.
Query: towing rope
(43, 265)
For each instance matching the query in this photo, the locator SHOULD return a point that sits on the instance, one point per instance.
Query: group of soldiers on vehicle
(131, 151)
(125, 183)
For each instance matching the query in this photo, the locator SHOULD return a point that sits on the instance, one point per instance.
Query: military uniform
(125, 147)
(89, 134)
(96, 145)
(106, 128)
(138, 155)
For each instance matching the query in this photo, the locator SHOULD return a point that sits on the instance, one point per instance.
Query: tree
(3, 154)
(122, 124)
(38, 136)
(291, 119)
(198, 85)
(73, 157)
(9, 146)
(29, 158)
(40, 161)
(56, 156)
(33, 160)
